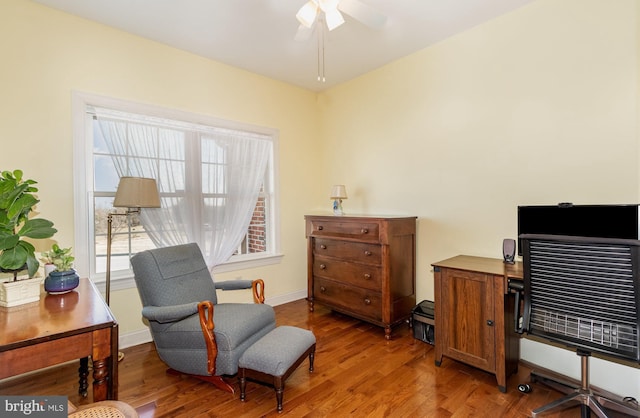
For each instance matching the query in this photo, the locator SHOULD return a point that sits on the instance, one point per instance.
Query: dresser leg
(387, 332)
(310, 306)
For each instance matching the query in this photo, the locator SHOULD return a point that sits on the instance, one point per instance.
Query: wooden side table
(60, 328)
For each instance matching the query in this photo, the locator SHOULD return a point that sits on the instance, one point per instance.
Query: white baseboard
(134, 338)
(289, 297)
(144, 335)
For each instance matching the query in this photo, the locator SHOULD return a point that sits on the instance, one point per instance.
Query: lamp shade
(338, 192)
(137, 192)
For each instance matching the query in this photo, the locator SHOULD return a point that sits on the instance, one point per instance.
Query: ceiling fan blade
(308, 13)
(363, 13)
(303, 33)
(333, 18)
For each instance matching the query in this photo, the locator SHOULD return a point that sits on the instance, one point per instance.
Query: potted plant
(63, 277)
(17, 201)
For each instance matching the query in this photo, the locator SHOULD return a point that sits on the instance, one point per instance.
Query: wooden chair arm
(258, 290)
(205, 311)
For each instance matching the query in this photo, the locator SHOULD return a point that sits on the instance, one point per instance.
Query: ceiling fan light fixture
(307, 14)
(334, 18)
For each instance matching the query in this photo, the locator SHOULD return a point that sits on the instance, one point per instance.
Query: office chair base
(577, 398)
(589, 399)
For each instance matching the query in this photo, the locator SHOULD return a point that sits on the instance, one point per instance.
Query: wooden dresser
(363, 266)
(474, 314)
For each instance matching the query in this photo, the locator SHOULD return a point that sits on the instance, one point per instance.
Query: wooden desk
(474, 314)
(61, 328)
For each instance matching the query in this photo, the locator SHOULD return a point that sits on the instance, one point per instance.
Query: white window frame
(83, 187)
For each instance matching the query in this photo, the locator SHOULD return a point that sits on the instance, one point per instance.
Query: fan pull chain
(321, 67)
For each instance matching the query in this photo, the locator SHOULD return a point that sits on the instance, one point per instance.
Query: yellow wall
(538, 106)
(534, 107)
(45, 55)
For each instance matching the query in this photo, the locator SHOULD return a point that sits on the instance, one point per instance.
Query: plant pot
(20, 292)
(61, 281)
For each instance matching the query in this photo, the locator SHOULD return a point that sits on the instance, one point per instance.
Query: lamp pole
(109, 240)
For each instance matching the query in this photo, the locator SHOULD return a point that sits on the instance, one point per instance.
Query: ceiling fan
(330, 11)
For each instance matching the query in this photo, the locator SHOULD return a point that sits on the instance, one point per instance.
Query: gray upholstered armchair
(193, 333)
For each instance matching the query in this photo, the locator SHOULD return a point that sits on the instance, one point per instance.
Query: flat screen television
(605, 221)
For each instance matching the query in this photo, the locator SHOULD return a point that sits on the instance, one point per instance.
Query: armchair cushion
(172, 313)
(173, 276)
(236, 329)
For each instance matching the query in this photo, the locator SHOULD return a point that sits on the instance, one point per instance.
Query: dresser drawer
(361, 301)
(348, 251)
(362, 275)
(365, 231)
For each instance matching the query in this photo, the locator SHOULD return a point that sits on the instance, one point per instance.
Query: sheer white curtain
(209, 178)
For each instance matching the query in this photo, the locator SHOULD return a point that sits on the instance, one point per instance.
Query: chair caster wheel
(524, 388)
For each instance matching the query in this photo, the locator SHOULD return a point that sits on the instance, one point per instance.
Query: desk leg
(113, 365)
(100, 379)
(103, 366)
(83, 373)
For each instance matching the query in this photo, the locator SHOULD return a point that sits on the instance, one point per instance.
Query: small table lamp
(133, 193)
(338, 192)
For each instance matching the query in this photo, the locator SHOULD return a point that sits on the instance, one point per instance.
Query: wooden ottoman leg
(243, 384)
(278, 384)
(312, 356)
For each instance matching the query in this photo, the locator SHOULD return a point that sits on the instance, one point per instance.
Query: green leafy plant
(59, 257)
(17, 201)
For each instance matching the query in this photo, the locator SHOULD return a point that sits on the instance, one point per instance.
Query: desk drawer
(351, 298)
(348, 251)
(363, 275)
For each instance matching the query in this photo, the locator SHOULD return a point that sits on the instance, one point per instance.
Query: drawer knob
(320, 227)
(367, 301)
(367, 276)
(323, 266)
(367, 253)
(364, 230)
(323, 289)
(490, 322)
(323, 247)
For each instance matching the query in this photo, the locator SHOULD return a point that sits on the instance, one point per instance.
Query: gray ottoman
(274, 357)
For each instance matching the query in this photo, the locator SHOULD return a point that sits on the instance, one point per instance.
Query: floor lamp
(133, 193)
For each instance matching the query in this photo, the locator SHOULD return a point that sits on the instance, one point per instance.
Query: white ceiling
(258, 35)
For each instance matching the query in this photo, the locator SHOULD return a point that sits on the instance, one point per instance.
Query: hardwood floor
(357, 373)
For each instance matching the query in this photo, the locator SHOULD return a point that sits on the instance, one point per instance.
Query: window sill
(126, 281)
(247, 263)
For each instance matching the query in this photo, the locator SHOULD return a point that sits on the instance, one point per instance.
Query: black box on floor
(422, 320)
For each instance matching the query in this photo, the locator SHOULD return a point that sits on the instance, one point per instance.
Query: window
(196, 162)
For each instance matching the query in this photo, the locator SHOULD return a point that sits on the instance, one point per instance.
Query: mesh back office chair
(584, 293)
